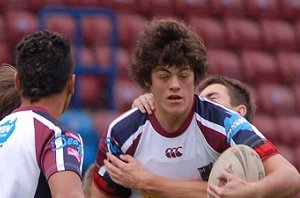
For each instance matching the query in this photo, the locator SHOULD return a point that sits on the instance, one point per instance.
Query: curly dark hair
(238, 92)
(9, 95)
(44, 64)
(171, 43)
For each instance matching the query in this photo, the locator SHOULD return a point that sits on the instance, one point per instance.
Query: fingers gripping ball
(242, 161)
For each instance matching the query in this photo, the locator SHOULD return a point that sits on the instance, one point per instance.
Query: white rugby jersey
(187, 154)
(34, 146)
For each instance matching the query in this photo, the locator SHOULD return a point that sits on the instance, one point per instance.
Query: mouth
(174, 98)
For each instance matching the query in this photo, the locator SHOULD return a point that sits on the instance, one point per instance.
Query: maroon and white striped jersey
(34, 146)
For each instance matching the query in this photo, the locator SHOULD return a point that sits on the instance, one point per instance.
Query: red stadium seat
(210, 29)
(123, 62)
(53, 2)
(86, 57)
(298, 32)
(296, 89)
(266, 125)
(278, 34)
(289, 64)
(290, 8)
(102, 119)
(287, 152)
(157, 7)
(129, 26)
(288, 128)
(276, 99)
(193, 7)
(297, 154)
(5, 55)
(102, 56)
(263, 8)
(3, 31)
(260, 66)
(91, 90)
(119, 4)
(62, 23)
(16, 4)
(224, 62)
(125, 92)
(228, 8)
(19, 24)
(96, 30)
(243, 33)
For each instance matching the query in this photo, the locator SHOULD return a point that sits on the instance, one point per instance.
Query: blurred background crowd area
(255, 41)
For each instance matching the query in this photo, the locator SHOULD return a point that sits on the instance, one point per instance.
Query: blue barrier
(109, 70)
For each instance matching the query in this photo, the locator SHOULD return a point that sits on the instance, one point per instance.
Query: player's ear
(17, 81)
(242, 110)
(71, 84)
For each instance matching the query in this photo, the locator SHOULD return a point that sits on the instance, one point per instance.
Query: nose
(174, 84)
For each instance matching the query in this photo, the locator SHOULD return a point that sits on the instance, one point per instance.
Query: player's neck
(54, 104)
(168, 122)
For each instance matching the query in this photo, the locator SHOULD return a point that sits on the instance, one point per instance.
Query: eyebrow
(211, 94)
(166, 70)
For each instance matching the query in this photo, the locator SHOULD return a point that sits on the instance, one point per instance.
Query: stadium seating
(276, 99)
(125, 92)
(259, 66)
(96, 30)
(243, 33)
(263, 8)
(65, 25)
(19, 24)
(102, 119)
(210, 29)
(290, 9)
(298, 32)
(266, 125)
(224, 62)
(297, 153)
(194, 7)
(3, 32)
(5, 55)
(123, 62)
(129, 26)
(296, 90)
(228, 8)
(289, 65)
(288, 130)
(86, 57)
(91, 90)
(278, 34)
(288, 152)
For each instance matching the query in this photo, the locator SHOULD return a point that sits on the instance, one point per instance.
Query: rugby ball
(242, 161)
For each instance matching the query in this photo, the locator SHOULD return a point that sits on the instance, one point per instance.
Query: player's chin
(177, 111)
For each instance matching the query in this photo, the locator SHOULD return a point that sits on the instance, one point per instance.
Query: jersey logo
(6, 129)
(71, 142)
(174, 152)
(113, 146)
(234, 124)
(205, 171)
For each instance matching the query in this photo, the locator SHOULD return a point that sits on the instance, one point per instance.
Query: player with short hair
(170, 152)
(39, 156)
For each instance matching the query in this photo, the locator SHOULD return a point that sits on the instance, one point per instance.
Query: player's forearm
(280, 183)
(166, 187)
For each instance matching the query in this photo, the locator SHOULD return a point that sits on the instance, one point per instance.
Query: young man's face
(217, 93)
(173, 90)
